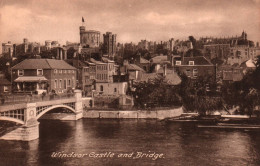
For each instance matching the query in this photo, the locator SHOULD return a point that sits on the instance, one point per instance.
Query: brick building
(194, 67)
(43, 75)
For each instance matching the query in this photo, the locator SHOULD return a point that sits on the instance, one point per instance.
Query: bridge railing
(18, 98)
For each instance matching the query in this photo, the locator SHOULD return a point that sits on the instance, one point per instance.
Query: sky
(131, 20)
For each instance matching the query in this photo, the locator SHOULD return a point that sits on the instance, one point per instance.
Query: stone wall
(144, 114)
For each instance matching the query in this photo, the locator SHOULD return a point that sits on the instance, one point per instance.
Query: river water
(132, 142)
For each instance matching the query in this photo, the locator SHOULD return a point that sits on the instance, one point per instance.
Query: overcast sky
(131, 20)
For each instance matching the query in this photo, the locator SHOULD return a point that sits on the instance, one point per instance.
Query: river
(132, 142)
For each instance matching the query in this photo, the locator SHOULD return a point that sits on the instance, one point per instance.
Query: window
(86, 79)
(20, 72)
(65, 84)
(60, 71)
(5, 89)
(178, 63)
(55, 71)
(69, 83)
(207, 88)
(195, 73)
(64, 71)
(72, 71)
(188, 72)
(191, 63)
(60, 83)
(115, 89)
(39, 72)
(101, 88)
(55, 84)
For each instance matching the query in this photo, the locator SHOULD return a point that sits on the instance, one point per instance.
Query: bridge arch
(53, 107)
(11, 120)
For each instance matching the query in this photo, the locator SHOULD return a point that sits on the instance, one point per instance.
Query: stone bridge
(27, 115)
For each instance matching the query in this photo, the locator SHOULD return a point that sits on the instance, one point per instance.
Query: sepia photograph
(129, 82)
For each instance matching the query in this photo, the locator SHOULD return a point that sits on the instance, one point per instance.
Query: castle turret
(82, 29)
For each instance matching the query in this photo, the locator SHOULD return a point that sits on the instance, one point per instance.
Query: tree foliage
(155, 93)
(244, 93)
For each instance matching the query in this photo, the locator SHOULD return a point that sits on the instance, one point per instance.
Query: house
(43, 75)
(105, 69)
(194, 67)
(159, 61)
(133, 71)
(229, 73)
(248, 65)
(170, 76)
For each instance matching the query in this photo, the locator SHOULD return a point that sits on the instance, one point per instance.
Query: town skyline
(132, 21)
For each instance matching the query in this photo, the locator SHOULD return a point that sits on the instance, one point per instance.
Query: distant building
(89, 38)
(48, 44)
(143, 44)
(220, 51)
(170, 44)
(233, 41)
(152, 46)
(109, 44)
(239, 54)
(7, 49)
(43, 75)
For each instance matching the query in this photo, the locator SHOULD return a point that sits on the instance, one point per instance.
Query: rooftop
(160, 59)
(171, 77)
(198, 60)
(4, 81)
(43, 64)
(134, 67)
(142, 60)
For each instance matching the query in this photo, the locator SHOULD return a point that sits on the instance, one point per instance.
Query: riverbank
(136, 114)
(121, 114)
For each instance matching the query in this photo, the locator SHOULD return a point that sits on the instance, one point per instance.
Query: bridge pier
(78, 105)
(30, 130)
(23, 133)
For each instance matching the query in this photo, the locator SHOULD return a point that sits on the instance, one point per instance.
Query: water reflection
(181, 143)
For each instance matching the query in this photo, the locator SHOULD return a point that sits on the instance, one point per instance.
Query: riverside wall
(136, 114)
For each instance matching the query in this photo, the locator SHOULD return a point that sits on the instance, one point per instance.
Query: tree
(193, 41)
(70, 53)
(193, 52)
(195, 96)
(155, 92)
